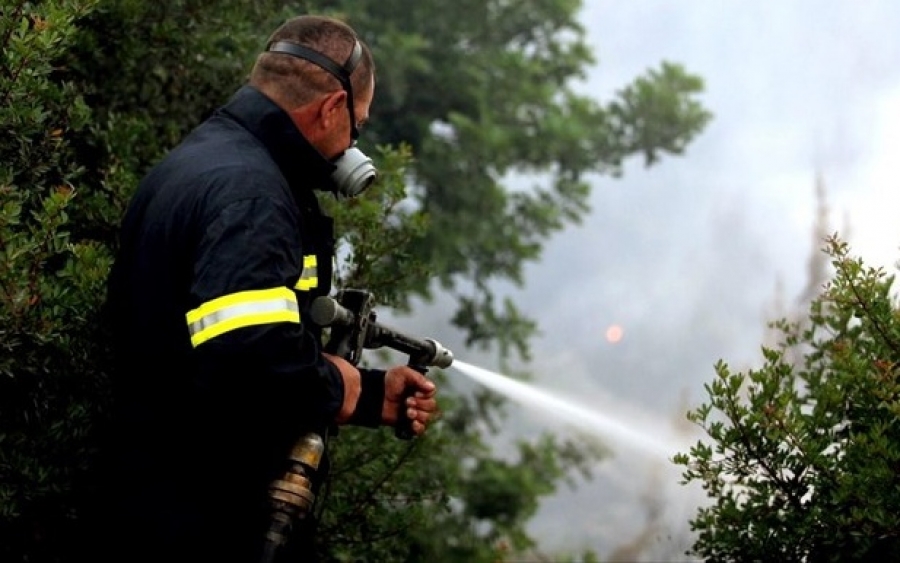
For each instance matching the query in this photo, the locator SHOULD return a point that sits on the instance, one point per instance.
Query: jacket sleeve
(243, 316)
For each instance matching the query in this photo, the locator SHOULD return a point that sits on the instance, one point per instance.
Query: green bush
(51, 282)
(804, 463)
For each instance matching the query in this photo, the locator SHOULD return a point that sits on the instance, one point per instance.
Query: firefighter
(222, 249)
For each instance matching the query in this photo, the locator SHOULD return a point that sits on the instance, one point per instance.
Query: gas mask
(354, 170)
(354, 173)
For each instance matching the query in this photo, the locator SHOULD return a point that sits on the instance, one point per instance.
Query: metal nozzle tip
(448, 359)
(443, 357)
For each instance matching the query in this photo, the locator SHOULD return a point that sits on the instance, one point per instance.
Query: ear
(331, 107)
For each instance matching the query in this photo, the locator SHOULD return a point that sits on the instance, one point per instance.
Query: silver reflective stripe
(242, 309)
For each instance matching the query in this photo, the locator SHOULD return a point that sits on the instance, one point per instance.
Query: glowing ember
(614, 334)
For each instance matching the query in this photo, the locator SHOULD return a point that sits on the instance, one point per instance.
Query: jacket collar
(302, 165)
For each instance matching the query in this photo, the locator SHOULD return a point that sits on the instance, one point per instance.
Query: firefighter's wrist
(371, 399)
(349, 387)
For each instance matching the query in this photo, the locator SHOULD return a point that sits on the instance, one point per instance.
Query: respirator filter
(354, 173)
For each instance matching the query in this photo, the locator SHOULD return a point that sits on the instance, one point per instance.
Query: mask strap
(341, 72)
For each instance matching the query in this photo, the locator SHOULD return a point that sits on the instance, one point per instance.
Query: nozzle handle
(423, 353)
(403, 428)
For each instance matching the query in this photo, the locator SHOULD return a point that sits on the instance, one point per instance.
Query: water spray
(602, 425)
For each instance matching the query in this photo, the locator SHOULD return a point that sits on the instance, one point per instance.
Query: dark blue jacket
(222, 249)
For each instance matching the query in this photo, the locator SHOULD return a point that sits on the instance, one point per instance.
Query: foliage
(443, 497)
(803, 464)
(482, 91)
(50, 281)
(446, 495)
(95, 91)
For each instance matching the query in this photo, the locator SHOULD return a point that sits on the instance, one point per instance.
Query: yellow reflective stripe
(242, 309)
(309, 276)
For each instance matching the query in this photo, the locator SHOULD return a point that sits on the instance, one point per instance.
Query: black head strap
(341, 72)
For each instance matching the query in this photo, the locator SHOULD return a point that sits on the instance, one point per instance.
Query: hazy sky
(685, 256)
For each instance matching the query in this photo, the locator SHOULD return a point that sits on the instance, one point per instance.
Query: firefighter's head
(323, 76)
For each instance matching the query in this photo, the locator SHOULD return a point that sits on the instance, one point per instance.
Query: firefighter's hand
(352, 387)
(400, 382)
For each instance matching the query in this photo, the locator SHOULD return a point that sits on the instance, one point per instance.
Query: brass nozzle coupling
(292, 496)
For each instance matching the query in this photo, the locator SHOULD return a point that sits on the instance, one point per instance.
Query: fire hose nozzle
(356, 328)
(442, 357)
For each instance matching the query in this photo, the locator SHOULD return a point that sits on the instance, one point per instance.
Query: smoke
(690, 258)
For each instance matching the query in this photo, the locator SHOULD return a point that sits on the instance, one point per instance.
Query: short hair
(294, 81)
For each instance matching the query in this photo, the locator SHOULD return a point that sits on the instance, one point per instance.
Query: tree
(49, 282)
(803, 464)
(98, 90)
(481, 90)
